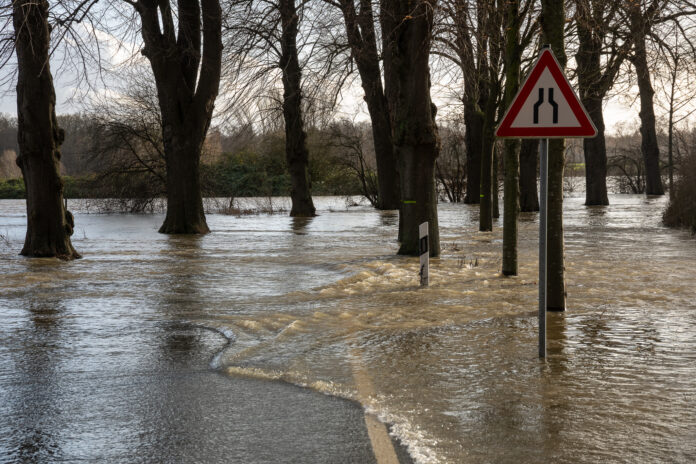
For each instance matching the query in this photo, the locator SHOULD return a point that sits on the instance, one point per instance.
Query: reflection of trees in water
(35, 402)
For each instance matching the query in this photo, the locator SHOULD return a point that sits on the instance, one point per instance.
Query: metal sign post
(543, 207)
(545, 107)
(424, 249)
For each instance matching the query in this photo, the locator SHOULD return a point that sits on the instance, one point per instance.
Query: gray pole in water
(543, 207)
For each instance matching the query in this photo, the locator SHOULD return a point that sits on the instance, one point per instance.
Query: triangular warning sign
(546, 106)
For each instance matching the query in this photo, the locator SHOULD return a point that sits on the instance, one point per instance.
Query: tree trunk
(49, 223)
(552, 26)
(187, 82)
(185, 214)
(670, 141)
(511, 184)
(473, 121)
(529, 157)
(361, 38)
(595, 150)
(295, 137)
(487, 147)
(649, 147)
(407, 28)
(496, 184)
(589, 73)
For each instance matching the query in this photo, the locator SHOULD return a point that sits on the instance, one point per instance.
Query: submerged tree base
(184, 229)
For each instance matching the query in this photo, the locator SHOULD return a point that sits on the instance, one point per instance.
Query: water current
(325, 304)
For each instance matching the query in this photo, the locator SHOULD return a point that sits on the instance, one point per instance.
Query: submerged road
(171, 409)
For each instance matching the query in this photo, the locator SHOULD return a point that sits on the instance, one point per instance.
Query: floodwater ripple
(325, 304)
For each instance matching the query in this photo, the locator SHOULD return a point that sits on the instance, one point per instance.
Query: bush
(12, 189)
(681, 210)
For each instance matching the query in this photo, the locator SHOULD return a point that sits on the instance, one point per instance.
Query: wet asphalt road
(176, 409)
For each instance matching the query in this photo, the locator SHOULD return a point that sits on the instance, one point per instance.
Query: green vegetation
(12, 189)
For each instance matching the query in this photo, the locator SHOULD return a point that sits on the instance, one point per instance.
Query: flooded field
(325, 304)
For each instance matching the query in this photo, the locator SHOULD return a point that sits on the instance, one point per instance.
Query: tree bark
(361, 38)
(186, 61)
(295, 137)
(552, 27)
(495, 190)
(595, 150)
(511, 186)
(589, 73)
(529, 158)
(593, 86)
(487, 147)
(649, 146)
(407, 28)
(49, 223)
(473, 121)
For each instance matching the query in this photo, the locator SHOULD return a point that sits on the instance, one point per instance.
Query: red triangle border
(546, 61)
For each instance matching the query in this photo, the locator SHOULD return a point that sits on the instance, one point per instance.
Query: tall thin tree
(553, 29)
(296, 152)
(362, 39)
(640, 21)
(513, 58)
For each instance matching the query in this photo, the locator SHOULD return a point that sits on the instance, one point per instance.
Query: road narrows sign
(546, 106)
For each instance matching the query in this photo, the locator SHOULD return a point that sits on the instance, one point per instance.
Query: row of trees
(310, 48)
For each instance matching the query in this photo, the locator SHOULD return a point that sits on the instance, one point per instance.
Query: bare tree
(360, 32)
(602, 48)
(553, 22)
(185, 55)
(513, 58)
(450, 168)
(641, 17)
(348, 141)
(295, 136)
(49, 223)
(407, 33)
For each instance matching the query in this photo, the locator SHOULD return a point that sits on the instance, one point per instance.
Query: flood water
(325, 304)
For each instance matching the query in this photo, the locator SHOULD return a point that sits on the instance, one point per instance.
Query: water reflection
(323, 303)
(37, 404)
(300, 225)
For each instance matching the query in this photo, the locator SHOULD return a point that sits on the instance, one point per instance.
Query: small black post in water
(543, 207)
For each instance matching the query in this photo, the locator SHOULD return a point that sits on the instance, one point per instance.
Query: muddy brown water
(324, 304)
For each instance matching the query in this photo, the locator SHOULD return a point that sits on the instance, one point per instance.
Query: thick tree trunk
(511, 185)
(295, 137)
(529, 158)
(552, 26)
(49, 223)
(595, 156)
(361, 37)
(187, 83)
(407, 28)
(649, 146)
(473, 121)
(185, 214)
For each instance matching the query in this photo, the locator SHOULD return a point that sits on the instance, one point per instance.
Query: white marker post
(545, 107)
(424, 249)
